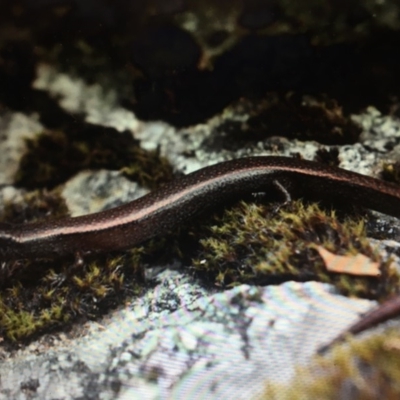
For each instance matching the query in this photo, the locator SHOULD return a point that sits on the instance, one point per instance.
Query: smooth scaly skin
(178, 201)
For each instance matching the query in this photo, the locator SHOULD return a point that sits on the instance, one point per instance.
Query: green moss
(41, 295)
(22, 322)
(363, 369)
(254, 244)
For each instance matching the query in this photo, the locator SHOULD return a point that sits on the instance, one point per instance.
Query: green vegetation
(253, 243)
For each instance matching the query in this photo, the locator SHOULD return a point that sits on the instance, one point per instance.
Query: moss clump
(363, 369)
(21, 322)
(318, 118)
(41, 295)
(252, 243)
(36, 205)
(55, 156)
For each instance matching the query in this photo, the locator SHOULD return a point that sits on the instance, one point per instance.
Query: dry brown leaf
(353, 265)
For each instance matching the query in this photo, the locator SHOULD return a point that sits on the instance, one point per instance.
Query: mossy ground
(256, 243)
(46, 295)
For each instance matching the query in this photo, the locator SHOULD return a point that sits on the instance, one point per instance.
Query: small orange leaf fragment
(353, 265)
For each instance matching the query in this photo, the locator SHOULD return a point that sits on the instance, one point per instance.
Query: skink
(178, 201)
(130, 224)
